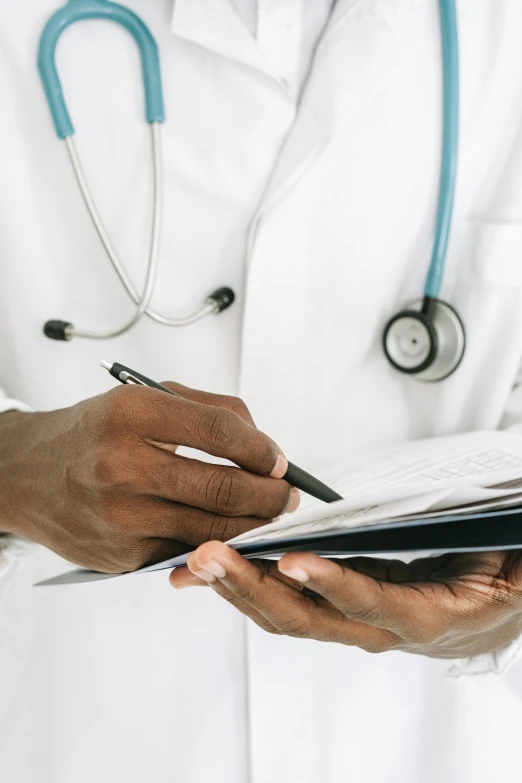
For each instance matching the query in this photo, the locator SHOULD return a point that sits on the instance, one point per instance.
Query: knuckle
(132, 561)
(221, 528)
(280, 502)
(236, 405)
(121, 518)
(171, 385)
(110, 474)
(217, 427)
(223, 491)
(271, 500)
(115, 519)
(106, 467)
(137, 556)
(119, 404)
(120, 554)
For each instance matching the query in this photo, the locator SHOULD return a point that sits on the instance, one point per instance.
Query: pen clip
(127, 377)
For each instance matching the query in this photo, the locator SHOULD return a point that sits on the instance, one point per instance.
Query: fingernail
(205, 575)
(293, 503)
(280, 467)
(296, 572)
(189, 580)
(216, 569)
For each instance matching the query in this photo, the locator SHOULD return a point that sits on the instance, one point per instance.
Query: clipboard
(486, 531)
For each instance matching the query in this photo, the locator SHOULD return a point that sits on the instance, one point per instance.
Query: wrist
(20, 434)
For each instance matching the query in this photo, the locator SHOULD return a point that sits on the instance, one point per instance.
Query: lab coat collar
(215, 25)
(366, 46)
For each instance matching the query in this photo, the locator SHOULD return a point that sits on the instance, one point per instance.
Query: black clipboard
(486, 531)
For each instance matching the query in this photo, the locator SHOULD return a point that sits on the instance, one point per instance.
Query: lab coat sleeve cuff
(7, 404)
(12, 550)
(498, 662)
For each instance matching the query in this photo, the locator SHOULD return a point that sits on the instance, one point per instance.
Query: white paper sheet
(411, 479)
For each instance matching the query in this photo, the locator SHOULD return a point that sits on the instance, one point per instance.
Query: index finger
(214, 430)
(270, 601)
(391, 607)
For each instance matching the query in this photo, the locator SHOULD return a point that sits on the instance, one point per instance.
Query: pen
(295, 476)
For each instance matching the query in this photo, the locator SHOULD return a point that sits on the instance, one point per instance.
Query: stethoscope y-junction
(425, 340)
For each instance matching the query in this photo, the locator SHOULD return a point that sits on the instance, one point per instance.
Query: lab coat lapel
(365, 46)
(216, 26)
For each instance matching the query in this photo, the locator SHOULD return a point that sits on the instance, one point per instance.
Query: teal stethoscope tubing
(450, 146)
(78, 10)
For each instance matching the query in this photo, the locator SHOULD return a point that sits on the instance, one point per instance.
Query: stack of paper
(418, 481)
(461, 493)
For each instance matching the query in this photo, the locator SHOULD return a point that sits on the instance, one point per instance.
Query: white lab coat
(320, 216)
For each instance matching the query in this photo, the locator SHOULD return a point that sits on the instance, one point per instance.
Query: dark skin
(100, 483)
(443, 607)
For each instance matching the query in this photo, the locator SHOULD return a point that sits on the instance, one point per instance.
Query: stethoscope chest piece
(426, 340)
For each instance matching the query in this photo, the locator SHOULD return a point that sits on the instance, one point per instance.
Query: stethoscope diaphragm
(426, 340)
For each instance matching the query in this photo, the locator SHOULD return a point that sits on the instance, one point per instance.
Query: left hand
(452, 606)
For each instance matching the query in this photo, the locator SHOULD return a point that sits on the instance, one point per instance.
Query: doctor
(302, 162)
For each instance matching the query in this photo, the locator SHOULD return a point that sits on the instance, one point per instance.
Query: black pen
(295, 476)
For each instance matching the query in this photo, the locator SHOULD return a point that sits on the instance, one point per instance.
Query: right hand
(100, 482)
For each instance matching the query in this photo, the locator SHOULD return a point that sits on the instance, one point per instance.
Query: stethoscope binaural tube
(218, 301)
(427, 339)
(78, 10)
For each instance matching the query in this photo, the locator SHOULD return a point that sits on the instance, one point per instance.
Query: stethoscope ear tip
(221, 299)
(58, 330)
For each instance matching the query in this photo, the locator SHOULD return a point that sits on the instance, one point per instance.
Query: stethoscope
(425, 340)
(76, 11)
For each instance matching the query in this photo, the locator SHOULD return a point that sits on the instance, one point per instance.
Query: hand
(100, 483)
(443, 607)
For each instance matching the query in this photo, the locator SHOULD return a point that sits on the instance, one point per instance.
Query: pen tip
(104, 363)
